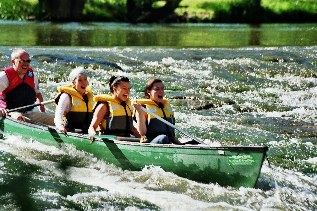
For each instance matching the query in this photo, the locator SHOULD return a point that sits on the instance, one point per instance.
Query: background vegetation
(245, 11)
(233, 11)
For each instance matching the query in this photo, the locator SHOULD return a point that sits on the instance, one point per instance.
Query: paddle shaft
(171, 125)
(33, 105)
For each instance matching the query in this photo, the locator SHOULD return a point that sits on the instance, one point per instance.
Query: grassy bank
(237, 10)
(18, 9)
(191, 10)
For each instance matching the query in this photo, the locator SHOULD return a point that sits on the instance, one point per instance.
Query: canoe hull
(227, 166)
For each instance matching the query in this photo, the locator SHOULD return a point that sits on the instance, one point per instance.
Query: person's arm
(135, 132)
(39, 97)
(3, 112)
(99, 113)
(4, 83)
(175, 140)
(63, 106)
(141, 117)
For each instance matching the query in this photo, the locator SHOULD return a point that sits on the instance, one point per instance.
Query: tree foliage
(249, 11)
(61, 10)
(135, 10)
(15, 10)
(108, 10)
(145, 11)
(149, 11)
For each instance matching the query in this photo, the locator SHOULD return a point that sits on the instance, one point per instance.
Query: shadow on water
(121, 158)
(20, 188)
(22, 182)
(74, 59)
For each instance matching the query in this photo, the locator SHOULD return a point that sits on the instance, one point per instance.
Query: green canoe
(234, 166)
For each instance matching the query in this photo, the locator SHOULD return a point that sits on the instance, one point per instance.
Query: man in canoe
(113, 112)
(74, 102)
(19, 87)
(153, 129)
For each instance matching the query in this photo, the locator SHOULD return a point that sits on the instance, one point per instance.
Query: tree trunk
(254, 11)
(142, 11)
(62, 10)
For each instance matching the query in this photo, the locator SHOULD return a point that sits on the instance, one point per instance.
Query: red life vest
(21, 91)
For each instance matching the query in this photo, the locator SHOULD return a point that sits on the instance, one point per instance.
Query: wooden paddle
(119, 138)
(171, 125)
(30, 106)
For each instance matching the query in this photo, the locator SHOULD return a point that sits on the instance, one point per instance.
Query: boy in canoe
(74, 104)
(19, 87)
(150, 128)
(113, 112)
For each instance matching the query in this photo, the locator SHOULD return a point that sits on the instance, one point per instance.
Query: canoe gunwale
(262, 149)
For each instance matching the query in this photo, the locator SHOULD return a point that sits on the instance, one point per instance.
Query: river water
(228, 84)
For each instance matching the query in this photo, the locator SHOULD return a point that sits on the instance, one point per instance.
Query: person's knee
(161, 139)
(17, 116)
(165, 139)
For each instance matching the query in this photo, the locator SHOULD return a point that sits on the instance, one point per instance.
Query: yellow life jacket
(80, 114)
(119, 119)
(156, 127)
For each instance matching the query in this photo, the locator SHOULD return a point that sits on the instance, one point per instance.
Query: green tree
(15, 10)
(145, 11)
(247, 11)
(61, 10)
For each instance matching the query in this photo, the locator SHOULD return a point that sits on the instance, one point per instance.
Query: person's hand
(91, 134)
(3, 112)
(42, 108)
(63, 130)
(144, 139)
(138, 107)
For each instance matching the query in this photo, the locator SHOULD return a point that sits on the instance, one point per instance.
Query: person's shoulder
(102, 106)
(64, 97)
(3, 75)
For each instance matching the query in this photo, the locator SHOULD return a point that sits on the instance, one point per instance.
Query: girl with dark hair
(113, 112)
(153, 129)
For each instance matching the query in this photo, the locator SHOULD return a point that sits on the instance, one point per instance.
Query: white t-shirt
(64, 106)
(4, 82)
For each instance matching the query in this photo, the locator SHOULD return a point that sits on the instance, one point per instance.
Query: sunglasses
(24, 61)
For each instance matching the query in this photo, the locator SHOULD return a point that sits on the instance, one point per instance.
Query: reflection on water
(175, 35)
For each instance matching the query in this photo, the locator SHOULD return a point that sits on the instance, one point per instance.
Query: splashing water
(244, 96)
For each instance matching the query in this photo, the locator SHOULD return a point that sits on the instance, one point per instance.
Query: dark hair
(115, 80)
(149, 86)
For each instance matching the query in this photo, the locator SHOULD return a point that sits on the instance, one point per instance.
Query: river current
(249, 95)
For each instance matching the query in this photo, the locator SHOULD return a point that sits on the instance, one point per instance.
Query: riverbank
(247, 11)
(190, 11)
